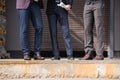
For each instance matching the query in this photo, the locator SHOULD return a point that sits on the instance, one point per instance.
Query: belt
(91, 1)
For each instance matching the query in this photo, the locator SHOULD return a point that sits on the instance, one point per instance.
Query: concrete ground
(66, 79)
(18, 69)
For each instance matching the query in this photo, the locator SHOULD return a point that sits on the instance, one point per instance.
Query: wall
(76, 27)
(117, 25)
(12, 37)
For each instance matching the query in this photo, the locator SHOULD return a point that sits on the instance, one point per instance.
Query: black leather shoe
(38, 57)
(70, 58)
(55, 58)
(27, 57)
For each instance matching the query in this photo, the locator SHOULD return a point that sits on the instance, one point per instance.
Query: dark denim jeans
(60, 15)
(33, 12)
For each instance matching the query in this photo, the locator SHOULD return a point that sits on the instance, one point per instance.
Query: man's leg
(88, 32)
(99, 31)
(52, 19)
(23, 22)
(88, 29)
(36, 17)
(63, 18)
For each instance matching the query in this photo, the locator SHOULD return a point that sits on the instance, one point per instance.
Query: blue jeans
(60, 15)
(33, 12)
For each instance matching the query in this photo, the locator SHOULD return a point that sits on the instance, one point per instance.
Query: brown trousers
(93, 15)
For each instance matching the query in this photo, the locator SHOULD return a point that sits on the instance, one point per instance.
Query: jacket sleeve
(41, 4)
(70, 2)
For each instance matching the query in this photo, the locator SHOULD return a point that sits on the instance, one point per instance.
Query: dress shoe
(87, 57)
(38, 57)
(70, 58)
(99, 57)
(27, 57)
(55, 58)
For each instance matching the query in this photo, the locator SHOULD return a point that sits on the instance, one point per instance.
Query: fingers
(68, 7)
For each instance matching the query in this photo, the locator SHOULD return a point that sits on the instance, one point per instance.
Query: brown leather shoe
(27, 57)
(87, 57)
(99, 57)
(38, 57)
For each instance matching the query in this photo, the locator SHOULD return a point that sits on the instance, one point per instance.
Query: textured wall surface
(75, 22)
(15, 69)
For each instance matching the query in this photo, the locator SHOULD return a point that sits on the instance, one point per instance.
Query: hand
(68, 7)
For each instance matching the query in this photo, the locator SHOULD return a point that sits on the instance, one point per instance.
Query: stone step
(66, 79)
(18, 68)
